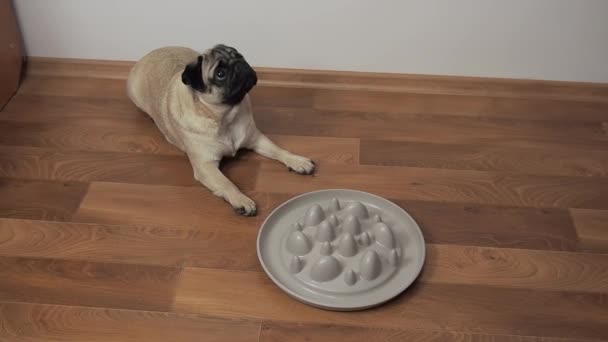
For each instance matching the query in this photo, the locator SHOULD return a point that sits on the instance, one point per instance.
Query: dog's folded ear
(193, 75)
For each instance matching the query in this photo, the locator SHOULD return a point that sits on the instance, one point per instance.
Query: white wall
(540, 39)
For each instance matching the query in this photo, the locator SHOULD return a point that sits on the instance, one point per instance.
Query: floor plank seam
(422, 280)
(371, 326)
(481, 334)
(84, 195)
(344, 86)
(177, 281)
(184, 314)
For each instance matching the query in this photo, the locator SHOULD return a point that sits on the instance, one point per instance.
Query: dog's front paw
(243, 205)
(301, 165)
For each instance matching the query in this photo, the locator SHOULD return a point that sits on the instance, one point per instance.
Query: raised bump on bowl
(370, 266)
(295, 265)
(334, 205)
(393, 258)
(325, 232)
(357, 209)
(376, 218)
(384, 235)
(364, 239)
(325, 248)
(314, 216)
(352, 225)
(325, 269)
(350, 278)
(298, 226)
(298, 243)
(347, 246)
(333, 220)
(370, 236)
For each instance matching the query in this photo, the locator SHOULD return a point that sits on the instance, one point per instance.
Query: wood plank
(109, 88)
(61, 165)
(447, 223)
(431, 128)
(111, 135)
(475, 105)
(67, 109)
(229, 249)
(90, 130)
(108, 135)
(434, 84)
(304, 332)
(35, 322)
(292, 97)
(592, 229)
(73, 67)
(473, 308)
(197, 208)
(320, 149)
(516, 268)
(512, 88)
(482, 187)
(74, 86)
(493, 226)
(165, 246)
(40, 200)
(563, 161)
(136, 287)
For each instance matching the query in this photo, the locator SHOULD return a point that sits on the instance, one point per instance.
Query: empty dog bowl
(341, 249)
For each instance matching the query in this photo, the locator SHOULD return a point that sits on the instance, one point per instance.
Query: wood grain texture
(37, 108)
(493, 226)
(105, 235)
(472, 308)
(40, 200)
(291, 97)
(137, 287)
(497, 188)
(441, 222)
(304, 332)
(369, 101)
(562, 162)
(432, 128)
(74, 86)
(65, 165)
(109, 135)
(320, 149)
(68, 165)
(73, 67)
(427, 84)
(591, 229)
(113, 203)
(226, 248)
(432, 84)
(514, 268)
(46, 323)
(220, 247)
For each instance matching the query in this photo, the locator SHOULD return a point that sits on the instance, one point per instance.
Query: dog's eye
(220, 73)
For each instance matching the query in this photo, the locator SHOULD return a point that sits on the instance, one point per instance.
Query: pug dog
(200, 102)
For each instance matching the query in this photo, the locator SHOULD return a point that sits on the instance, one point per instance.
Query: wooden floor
(105, 236)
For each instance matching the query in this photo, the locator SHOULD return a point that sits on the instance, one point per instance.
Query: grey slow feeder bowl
(341, 250)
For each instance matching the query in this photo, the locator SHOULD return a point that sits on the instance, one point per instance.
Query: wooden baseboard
(381, 82)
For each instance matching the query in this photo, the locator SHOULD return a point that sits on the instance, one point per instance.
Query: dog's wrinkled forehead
(224, 52)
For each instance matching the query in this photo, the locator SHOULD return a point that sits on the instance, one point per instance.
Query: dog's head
(221, 74)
